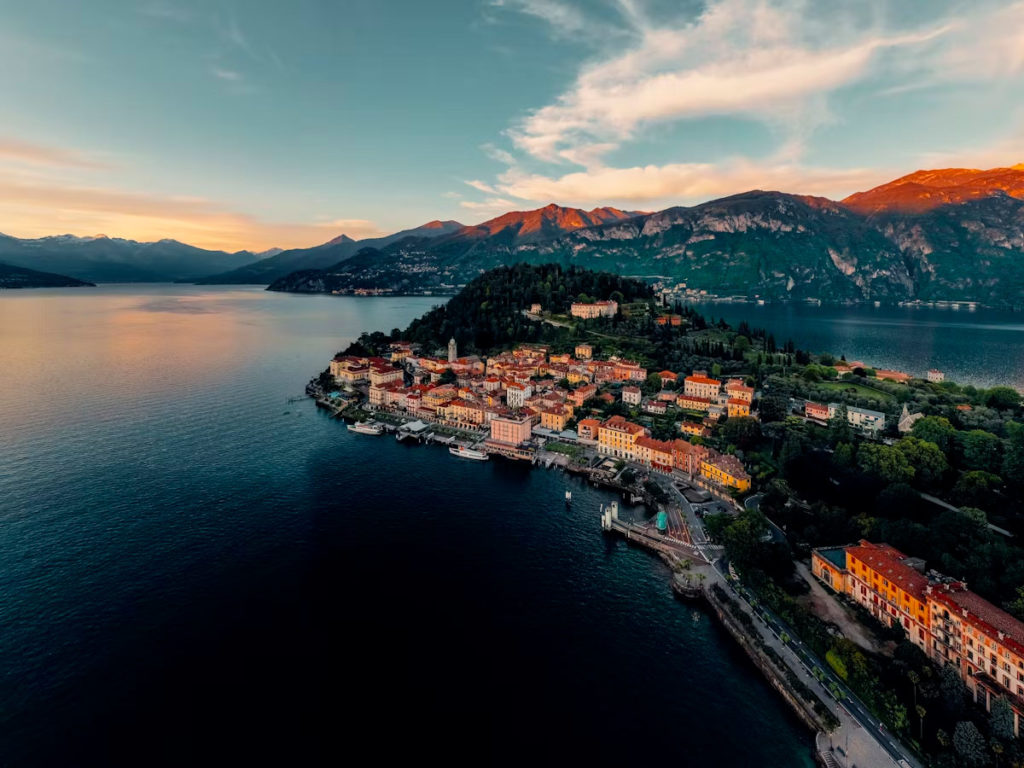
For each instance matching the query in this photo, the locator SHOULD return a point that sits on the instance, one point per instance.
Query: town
(768, 472)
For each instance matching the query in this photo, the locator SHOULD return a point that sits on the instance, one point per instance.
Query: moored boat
(365, 428)
(468, 453)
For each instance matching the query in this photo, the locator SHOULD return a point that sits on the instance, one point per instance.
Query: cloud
(684, 182)
(31, 208)
(780, 63)
(227, 74)
(12, 149)
(739, 58)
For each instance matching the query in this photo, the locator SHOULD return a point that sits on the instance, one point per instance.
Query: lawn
(862, 390)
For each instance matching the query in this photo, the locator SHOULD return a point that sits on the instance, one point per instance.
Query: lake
(984, 347)
(199, 568)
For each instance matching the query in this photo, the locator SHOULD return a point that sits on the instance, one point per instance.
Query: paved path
(828, 608)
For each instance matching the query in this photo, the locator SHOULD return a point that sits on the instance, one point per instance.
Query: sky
(257, 123)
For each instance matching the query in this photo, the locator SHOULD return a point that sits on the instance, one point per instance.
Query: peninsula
(822, 507)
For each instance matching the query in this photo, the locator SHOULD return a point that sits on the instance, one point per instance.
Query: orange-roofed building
(701, 386)
(617, 437)
(693, 402)
(737, 390)
(736, 407)
(688, 457)
(656, 454)
(695, 429)
(725, 470)
(667, 376)
(587, 429)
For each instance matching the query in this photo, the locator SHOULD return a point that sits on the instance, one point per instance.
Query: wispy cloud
(227, 74)
(32, 208)
(16, 150)
(776, 62)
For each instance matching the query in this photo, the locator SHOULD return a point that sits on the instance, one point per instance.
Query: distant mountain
(521, 227)
(961, 241)
(277, 265)
(103, 259)
(19, 277)
(926, 190)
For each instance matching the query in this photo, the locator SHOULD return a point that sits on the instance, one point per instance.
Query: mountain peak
(550, 221)
(923, 191)
(339, 239)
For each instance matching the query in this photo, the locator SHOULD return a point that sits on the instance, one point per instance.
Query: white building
(631, 395)
(865, 420)
(935, 375)
(516, 394)
(453, 351)
(597, 309)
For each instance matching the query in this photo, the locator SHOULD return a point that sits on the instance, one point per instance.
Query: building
(535, 309)
(554, 418)
(453, 350)
(865, 420)
(655, 407)
(347, 369)
(384, 374)
(631, 395)
(934, 375)
(737, 390)
(625, 370)
(693, 403)
(736, 407)
(617, 437)
(725, 470)
(584, 351)
(511, 430)
(688, 457)
(581, 394)
(516, 394)
(587, 429)
(701, 386)
(693, 428)
(670, 320)
(817, 411)
(597, 309)
(953, 625)
(667, 376)
(898, 376)
(907, 419)
(656, 454)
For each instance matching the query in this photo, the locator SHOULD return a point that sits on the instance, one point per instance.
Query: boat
(568, 497)
(365, 428)
(468, 453)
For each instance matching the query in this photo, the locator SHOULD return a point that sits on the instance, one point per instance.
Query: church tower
(453, 351)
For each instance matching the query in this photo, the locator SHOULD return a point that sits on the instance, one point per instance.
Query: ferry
(365, 428)
(468, 453)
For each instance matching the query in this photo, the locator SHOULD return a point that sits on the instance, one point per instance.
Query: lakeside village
(754, 478)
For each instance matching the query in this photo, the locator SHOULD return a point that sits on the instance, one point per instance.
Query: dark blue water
(984, 347)
(196, 571)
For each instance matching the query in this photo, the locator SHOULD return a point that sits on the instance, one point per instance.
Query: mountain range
(952, 234)
(281, 263)
(20, 277)
(102, 259)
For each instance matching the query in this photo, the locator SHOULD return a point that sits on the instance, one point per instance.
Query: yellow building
(701, 386)
(725, 470)
(736, 407)
(617, 437)
(584, 351)
(554, 418)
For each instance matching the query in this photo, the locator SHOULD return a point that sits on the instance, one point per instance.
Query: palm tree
(997, 750)
(914, 680)
(921, 712)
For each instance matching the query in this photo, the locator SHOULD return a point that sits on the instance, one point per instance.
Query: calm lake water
(984, 347)
(199, 570)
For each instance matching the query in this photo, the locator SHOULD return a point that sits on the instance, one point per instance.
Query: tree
(773, 408)
(885, 462)
(1002, 398)
(935, 429)
(952, 688)
(844, 455)
(1001, 719)
(970, 744)
(928, 461)
(741, 344)
(976, 488)
(742, 431)
(1013, 459)
(921, 712)
(652, 385)
(447, 377)
(982, 450)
